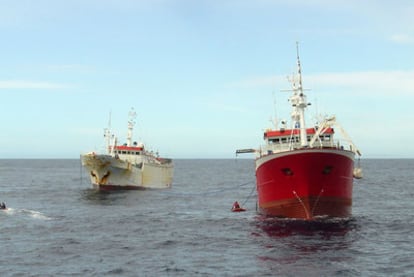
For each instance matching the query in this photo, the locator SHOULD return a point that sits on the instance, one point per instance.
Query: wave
(30, 213)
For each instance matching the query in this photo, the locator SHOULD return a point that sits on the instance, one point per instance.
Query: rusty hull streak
(104, 179)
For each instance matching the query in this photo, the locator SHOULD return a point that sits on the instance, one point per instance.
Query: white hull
(107, 171)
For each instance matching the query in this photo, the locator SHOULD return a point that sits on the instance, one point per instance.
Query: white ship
(127, 166)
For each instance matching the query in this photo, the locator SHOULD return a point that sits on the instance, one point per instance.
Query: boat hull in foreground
(305, 183)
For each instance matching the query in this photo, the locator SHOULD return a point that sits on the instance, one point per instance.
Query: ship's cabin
(135, 154)
(128, 150)
(289, 139)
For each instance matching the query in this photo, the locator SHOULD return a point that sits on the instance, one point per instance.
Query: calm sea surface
(58, 225)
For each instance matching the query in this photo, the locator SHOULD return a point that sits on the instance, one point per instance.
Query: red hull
(305, 183)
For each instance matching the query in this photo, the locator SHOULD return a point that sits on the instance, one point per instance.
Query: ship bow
(305, 183)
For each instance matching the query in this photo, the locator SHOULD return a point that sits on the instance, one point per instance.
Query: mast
(108, 135)
(131, 122)
(299, 103)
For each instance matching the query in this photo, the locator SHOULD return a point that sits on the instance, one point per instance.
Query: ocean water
(58, 225)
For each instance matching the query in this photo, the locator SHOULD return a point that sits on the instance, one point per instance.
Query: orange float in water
(236, 207)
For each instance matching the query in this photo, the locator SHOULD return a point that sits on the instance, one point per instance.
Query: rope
(80, 171)
(317, 200)
(206, 192)
(250, 194)
(301, 202)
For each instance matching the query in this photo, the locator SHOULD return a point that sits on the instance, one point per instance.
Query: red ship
(304, 172)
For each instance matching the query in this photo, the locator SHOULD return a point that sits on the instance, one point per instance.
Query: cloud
(397, 82)
(402, 39)
(226, 107)
(79, 68)
(22, 84)
(255, 82)
(367, 82)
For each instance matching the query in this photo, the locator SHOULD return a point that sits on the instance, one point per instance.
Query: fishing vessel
(305, 172)
(127, 166)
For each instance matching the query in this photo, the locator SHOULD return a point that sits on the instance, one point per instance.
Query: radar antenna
(131, 123)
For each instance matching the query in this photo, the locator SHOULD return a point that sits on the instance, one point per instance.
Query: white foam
(31, 213)
(9, 211)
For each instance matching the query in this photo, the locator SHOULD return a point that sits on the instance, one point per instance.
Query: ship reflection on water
(323, 227)
(103, 197)
(292, 247)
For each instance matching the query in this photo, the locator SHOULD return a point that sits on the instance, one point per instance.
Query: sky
(204, 77)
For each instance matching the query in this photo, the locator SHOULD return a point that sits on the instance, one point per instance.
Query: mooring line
(206, 192)
(80, 172)
(301, 202)
(317, 200)
(250, 194)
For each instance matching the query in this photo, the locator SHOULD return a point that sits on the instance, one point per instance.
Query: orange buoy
(236, 207)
